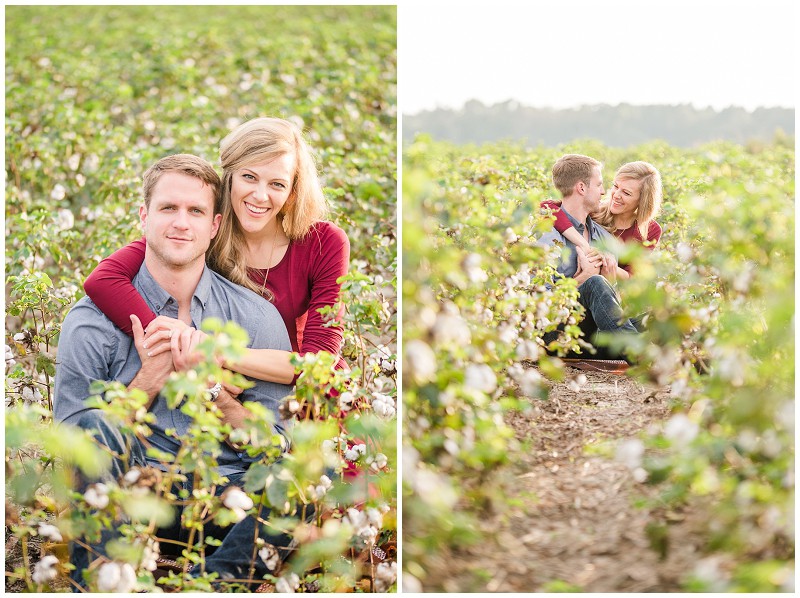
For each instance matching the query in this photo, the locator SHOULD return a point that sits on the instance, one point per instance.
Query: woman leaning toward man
(273, 239)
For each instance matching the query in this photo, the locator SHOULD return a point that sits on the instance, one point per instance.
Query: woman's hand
(184, 348)
(162, 329)
(609, 267)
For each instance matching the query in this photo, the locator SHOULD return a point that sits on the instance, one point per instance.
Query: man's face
(180, 221)
(595, 191)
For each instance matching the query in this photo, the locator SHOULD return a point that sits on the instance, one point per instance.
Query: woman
(629, 214)
(272, 239)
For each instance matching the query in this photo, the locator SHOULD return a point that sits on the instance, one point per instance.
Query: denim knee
(596, 284)
(108, 434)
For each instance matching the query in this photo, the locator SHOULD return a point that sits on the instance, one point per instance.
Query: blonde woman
(273, 239)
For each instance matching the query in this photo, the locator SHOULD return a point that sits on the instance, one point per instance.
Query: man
(579, 179)
(180, 217)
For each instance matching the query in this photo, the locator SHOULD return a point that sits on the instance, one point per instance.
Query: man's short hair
(570, 169)
(187, 164)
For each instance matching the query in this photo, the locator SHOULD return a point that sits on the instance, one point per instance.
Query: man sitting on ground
(579, 179)
(180, 216)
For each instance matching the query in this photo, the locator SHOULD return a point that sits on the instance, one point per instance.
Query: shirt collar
(580, 227)
(157, 297)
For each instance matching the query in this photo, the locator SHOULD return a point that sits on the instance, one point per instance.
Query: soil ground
(574, 524)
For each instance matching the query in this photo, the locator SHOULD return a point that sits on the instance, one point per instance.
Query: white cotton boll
(374, 517)
(45, 570)
(65, 220)
(312, 493)
(530, 381)
(368, 534)
(355, 518)
(385, 576)
(49, 532)
(684, 252)
(59, 192)
(476, 275)
(509, 236)
(96, 496)
(480, 377)
(507, 334)
(383, 406)
(353, 453)
(287, 584)
(680, 429)
(630, 453)
(420, 361)
(269, 555)
(377, 462)
(528, 350)
(115, 577)
(74, 161)
(346, 401)
(150, 556)
(411, 585)
(235, 498)
(133, 475)
(451, 329)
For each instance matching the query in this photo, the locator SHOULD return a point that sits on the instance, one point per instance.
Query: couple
(585, 226)
(259, 226)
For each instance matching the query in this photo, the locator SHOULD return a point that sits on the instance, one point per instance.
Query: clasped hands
(169, 345)
(595, 262)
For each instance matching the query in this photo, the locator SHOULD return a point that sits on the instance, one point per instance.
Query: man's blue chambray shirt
(92, 348)
(598, 236)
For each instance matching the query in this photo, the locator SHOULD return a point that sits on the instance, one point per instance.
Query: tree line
(621, 125)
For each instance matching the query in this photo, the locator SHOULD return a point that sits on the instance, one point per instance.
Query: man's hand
(156, 363)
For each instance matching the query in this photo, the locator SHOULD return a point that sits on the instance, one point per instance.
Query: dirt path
(574, 525)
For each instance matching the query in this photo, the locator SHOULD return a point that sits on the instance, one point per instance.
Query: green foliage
(719, 297)
(93, 96)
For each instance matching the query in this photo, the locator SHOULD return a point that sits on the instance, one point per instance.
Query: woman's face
(259, 191)
(625, 196)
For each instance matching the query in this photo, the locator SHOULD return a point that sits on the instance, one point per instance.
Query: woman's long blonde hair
(258, 141)
(650, 196)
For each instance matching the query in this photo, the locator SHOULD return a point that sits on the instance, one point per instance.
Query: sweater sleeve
(562, 223)
(109, 287)
(332, 262)
(653, 234)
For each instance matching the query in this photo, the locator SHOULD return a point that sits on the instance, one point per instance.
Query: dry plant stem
(26, 562)
(252, 571)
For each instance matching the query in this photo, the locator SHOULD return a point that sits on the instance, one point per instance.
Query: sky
(567, 53)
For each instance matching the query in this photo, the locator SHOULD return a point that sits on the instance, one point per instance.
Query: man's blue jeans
(231, 560)
(602, 302)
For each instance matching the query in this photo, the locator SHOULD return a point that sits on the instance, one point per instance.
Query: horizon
(521, 104)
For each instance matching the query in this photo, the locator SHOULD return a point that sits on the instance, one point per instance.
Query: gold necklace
(269, 263)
